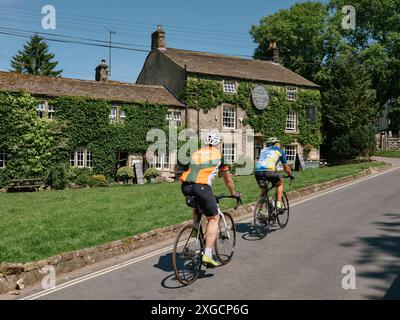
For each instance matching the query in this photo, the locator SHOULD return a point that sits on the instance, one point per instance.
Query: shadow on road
(250, 233)
(169, 282)
(373, 247)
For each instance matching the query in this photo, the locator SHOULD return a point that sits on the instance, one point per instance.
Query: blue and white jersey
(269, 159)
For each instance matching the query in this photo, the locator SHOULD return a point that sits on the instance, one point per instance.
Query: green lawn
(38, 225)
(390, 154)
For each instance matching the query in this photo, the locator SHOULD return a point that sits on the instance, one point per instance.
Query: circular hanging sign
(260, 97)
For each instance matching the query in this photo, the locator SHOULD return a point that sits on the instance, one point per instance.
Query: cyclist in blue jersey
(266, 169)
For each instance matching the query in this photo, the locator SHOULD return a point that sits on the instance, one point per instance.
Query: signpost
(260, 97)
(139, 172)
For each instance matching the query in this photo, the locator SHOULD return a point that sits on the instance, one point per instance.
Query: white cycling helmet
(212, 138)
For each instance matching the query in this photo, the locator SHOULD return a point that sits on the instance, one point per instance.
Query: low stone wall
(17, 275)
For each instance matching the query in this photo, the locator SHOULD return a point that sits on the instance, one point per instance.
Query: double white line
(169, 248)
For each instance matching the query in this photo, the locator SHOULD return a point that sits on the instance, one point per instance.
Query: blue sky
(207, 25)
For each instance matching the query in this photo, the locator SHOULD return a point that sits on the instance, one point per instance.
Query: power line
(122, 22)
(217, 34)
(75, 42)
(71, 37)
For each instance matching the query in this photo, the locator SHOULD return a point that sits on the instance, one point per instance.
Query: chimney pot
(102, 71)
(273, 52)
(158, 41)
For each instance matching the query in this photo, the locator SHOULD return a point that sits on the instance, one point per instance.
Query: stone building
(175, 69)
(44, 89)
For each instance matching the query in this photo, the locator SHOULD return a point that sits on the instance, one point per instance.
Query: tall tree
(301, 32)
(377, 38)
(349, 108)
(35, 59)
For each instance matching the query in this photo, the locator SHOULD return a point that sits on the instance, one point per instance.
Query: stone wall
(17, 275)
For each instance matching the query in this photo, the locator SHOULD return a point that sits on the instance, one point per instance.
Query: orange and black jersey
(204, 166)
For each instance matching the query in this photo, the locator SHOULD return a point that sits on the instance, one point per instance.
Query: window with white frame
(44, 110)
(41, 110)
(229, 117)
(177, 119)
(291, 93)
(50, 112)
(174, 119)
(81, 158)
(228, 150)
(113, 115)
(291, 121)
(3, 159)
(168, 118)
(161, 161)
(229, 86)
(122, 116)
(291, 151)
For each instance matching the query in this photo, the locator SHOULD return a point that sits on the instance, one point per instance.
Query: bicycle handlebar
(222, 196)
(289, 177)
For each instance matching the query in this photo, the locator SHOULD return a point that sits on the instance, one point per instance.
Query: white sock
(208, 252)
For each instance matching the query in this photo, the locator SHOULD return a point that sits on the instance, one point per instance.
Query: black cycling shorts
(271, 176)
(204, 196)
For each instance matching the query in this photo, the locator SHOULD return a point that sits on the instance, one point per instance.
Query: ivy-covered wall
(34, 145)
(207, 93)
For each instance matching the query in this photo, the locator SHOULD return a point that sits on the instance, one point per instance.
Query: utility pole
(109, 54)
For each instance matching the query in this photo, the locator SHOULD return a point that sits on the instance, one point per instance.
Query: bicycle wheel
(226, 239)
(186, 255)
(283, 218)
(261, 217)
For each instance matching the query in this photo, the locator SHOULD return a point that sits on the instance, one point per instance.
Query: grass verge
(34, 226)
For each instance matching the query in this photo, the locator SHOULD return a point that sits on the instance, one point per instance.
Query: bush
(57, 177)
(151, 173)
(79, 176)
(4, 180)
(97, 181)
(125, 173)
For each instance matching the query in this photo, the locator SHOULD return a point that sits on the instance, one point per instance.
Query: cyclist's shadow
(249, 232)
(170, 282)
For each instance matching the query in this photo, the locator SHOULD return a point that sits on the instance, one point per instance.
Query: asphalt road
(357, 225)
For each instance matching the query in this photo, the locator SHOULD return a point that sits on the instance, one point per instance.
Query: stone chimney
(273, 52)
(158, 41)
(102, 71)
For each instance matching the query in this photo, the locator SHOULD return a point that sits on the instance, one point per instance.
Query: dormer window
(229, 86)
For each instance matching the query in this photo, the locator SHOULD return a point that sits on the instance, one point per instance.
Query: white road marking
(169, 248)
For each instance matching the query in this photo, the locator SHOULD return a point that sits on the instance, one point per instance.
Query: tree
(300, 33)
(394, 115)
(377, 39)
(35, 59)
(349, 108)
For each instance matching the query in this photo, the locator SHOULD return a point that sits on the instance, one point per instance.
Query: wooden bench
(25, 184)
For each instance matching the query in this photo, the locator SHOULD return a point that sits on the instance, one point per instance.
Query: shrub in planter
(97, 181)
(125, 173)
(151, 174)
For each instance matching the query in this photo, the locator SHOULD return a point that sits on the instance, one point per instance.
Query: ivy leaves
(207, 93)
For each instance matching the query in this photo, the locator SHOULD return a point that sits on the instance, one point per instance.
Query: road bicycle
(265, 211)
(190, 242)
